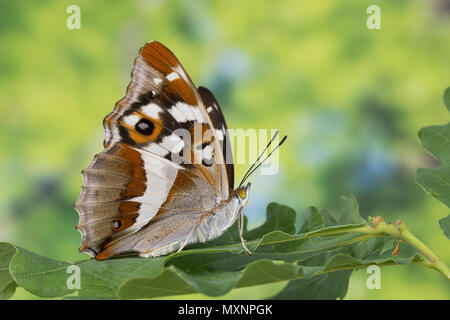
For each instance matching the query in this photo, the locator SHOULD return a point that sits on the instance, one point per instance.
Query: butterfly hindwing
(124, 189)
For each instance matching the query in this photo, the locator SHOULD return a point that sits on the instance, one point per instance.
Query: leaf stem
(401, 232)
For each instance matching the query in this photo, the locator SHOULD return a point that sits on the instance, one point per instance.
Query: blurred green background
(350, 99)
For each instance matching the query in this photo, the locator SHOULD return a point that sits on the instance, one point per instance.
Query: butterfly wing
(220, 127)
(144, 193)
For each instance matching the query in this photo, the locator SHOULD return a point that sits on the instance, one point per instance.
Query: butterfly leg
(187, 239)
(241, 232)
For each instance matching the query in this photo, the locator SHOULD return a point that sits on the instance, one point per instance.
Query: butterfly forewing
(160, 101)
(221, 130)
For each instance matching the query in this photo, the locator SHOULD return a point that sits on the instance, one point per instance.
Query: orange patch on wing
(129, 213)
(136, 185)
(163, 60)
(158, 57)
(137, 171)
(125, 222)
(134, 189)
(129, 154)
(179, 87)
(139, 138)
(104, 254)
(129, 207)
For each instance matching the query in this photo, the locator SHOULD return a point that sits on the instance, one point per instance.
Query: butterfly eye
(145, 127)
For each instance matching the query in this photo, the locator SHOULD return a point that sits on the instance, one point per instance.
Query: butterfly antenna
(259, 157)
(257, 164)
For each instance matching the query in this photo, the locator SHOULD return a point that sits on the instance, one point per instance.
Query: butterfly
(166, 176)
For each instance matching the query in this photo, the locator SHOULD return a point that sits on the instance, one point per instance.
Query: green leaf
(313, 221)
(347, 212)
(7, 283)
(102, 278)
(277, 255)
(444, 223)
(39, 275)
(330, 286)
(267, 271)
(278, 217)
(168, 283)
(436, 140)
(446, 98)
(319, 285)
(48, 278)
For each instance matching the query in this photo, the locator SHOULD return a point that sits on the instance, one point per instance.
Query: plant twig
(401, 232)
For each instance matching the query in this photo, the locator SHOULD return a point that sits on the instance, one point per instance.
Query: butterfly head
(243, 194)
